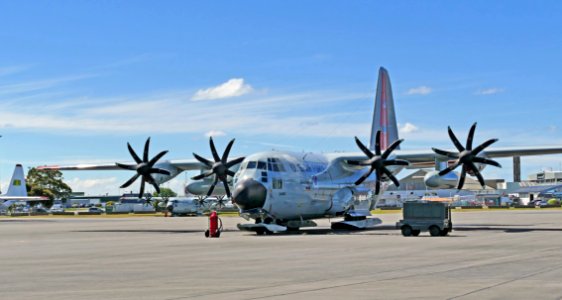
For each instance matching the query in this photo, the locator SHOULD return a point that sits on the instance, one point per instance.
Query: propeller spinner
(220, 167)
(378, 162)
(144, 168)
(466, 157)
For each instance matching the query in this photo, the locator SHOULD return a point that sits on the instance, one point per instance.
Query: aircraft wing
(423, 159)
(184, 165)
(426, 158)
(22, 198)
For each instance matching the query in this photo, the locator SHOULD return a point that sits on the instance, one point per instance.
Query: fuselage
(285, 186)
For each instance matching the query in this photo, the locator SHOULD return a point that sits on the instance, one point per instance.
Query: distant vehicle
(57, 208)
(434, 217)
(95, 210)
(183, 206)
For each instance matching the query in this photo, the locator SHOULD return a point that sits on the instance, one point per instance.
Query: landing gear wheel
(444, 232)
(434, 231)
(416, 232)
(407, 230)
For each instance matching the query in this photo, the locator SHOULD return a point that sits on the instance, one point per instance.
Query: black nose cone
(249, 194)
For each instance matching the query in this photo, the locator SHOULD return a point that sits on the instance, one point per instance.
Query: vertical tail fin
(17, 186)
(384, 117)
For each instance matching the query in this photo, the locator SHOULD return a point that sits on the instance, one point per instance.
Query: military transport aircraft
(17, 191)
(282, 190)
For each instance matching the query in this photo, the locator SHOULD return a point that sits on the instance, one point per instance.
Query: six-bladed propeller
(378, 162)
(144, 168)
(467, 157)
(220, 167)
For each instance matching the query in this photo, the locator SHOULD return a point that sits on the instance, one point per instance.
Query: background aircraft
(283, 190)
(17, 191)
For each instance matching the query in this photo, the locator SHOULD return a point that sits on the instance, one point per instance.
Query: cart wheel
(406, 230)
(434, 230)
(218, 234)
(207, 233)
(416, 232)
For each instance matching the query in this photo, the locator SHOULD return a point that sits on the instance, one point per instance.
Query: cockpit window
(274, 164)
(252, 165)
(261, 165)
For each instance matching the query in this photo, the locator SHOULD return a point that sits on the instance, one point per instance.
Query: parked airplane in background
(285, 190)
(17, 191)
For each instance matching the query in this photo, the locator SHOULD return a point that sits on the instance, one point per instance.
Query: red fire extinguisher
(215, 226)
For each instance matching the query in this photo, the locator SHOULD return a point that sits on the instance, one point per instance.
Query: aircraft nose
(249, 194)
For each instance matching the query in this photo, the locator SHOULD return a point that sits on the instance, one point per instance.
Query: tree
(165, 193)
(47, 183)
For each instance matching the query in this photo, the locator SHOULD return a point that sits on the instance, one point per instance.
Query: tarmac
(515, 254)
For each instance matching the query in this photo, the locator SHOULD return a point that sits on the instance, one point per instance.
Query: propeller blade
(203, 160)
(226, 188)
(126, 167)
(449, 169)
(360, 180)
(227, 151)
(378, 143)
(456, 142)
(230, 173)
(359, 162)
(133, 154)
(146, 146)
(212, 188)
(157, 158)
(391, 176)
(461, 179)
(141, 189)
(378, 183)
(477, 173)
(130, 181)
(364, 149)
(483, 146)
(470, 137)
(234, 162)
(486, 161)
(214, 150)
(159, 171)
(396, 162)
(391, 148)
(445, 153)
(156, 187)
(202, 175)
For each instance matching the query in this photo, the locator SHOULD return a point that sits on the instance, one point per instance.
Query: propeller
(378, 162)
(144, 168)
(466, 157)
(220, 167)
(201, 201)
(221, 202)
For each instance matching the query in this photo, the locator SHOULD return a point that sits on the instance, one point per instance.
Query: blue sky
(79, 79)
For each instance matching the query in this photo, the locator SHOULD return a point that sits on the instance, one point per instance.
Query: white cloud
(489, 91)
(408, 128)
(92, 185)
(13, 69)
(234, 87)
(420, 90)
(215, 133)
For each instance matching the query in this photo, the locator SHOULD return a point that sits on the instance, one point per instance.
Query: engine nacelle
(161, 178)
(341, 201)
(201, 187)
(447, 181)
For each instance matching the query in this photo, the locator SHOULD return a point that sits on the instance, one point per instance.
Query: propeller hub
(249, 194)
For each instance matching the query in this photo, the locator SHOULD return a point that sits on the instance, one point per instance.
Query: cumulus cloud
(408, 128)
(420, 90)
(234, 87)
(93, 185)
(215, 133)
(489, 91)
